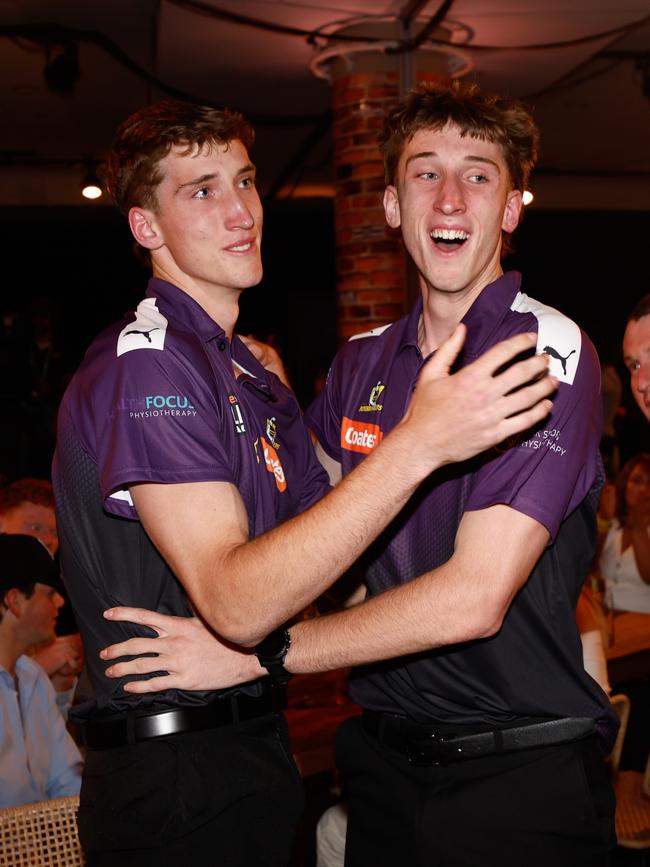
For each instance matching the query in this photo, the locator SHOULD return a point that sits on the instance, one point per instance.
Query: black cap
(24, 561)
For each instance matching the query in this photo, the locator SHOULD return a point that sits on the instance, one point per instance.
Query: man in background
(27, 507)
(636, 353)
(38, 758)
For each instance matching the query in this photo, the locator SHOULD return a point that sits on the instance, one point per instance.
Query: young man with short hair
(27, 507)
(180, 464)
(482, 737)
(38, 758)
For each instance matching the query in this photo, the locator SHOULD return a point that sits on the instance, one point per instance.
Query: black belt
(131, 728)
(430, 747)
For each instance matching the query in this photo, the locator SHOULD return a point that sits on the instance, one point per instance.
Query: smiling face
(452, 198)
(636, 352)
(206, 229)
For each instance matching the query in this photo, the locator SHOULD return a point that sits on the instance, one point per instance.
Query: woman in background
(625, 557)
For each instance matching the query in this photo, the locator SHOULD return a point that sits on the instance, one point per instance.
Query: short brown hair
(146, 137)
(479, 114)
(37, 491)
(640, 309)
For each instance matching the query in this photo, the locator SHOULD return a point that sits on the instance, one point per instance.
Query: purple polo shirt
(156, 399)
(533, 666)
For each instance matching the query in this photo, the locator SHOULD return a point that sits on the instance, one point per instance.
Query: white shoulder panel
(557, 335)
(122, 494)
(374, 332)
(147, 332)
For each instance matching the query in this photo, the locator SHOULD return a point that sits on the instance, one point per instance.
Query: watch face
(271, 653)
(274, 646)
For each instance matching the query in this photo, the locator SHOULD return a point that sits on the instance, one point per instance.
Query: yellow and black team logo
(272, 432)
(373, 404)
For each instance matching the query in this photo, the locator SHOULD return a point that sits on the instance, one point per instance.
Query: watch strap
(271, 653)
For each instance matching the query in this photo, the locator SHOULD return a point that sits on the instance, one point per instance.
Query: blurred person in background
(625, 557)
(636, 353)
(38, 758)
(27, 507)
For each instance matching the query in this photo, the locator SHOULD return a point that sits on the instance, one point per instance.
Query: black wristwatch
(271, 653)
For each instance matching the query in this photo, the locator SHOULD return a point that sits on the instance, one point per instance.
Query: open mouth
(448, 240)
(241, 248)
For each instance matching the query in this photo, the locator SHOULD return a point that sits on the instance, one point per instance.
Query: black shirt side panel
(106, 561)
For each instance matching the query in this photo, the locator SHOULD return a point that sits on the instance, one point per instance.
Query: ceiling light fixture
(386, 42)
(91, 187)
(527, 197)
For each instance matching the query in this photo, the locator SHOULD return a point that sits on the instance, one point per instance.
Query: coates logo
(359, 437)
(273, 464)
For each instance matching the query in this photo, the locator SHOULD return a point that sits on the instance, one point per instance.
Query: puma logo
(145, 333)
(555, 354)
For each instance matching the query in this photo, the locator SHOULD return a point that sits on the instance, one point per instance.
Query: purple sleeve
(547, 474)
(315, 480)
(155, 422)
(325, 413)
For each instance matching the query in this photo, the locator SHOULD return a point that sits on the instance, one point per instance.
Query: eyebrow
(249, 167)
(470, 158)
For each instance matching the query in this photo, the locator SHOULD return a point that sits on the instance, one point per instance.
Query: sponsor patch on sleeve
(357, 436)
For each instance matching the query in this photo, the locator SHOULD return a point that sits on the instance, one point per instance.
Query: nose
(643, 377)
(239, 215)
(58, 601)
(449, 196)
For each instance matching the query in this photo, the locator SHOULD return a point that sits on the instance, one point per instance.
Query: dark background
(77, 267)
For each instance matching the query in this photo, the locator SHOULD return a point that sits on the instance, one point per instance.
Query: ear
(512, 213)
(144, 228)
(14, 601)
(391, 207)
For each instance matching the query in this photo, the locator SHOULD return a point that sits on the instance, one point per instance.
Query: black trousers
(545, 807)
(229, 796)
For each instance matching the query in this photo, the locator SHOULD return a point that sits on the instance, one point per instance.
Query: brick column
(372, 283)
(370, 261)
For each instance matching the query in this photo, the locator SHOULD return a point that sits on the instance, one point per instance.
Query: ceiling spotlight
(91, 187)
(527, 197)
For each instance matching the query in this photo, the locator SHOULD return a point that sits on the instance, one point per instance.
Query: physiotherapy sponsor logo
(356, 436)
(159, 406)
(373, 404)
(545, 439)
(168, 401)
